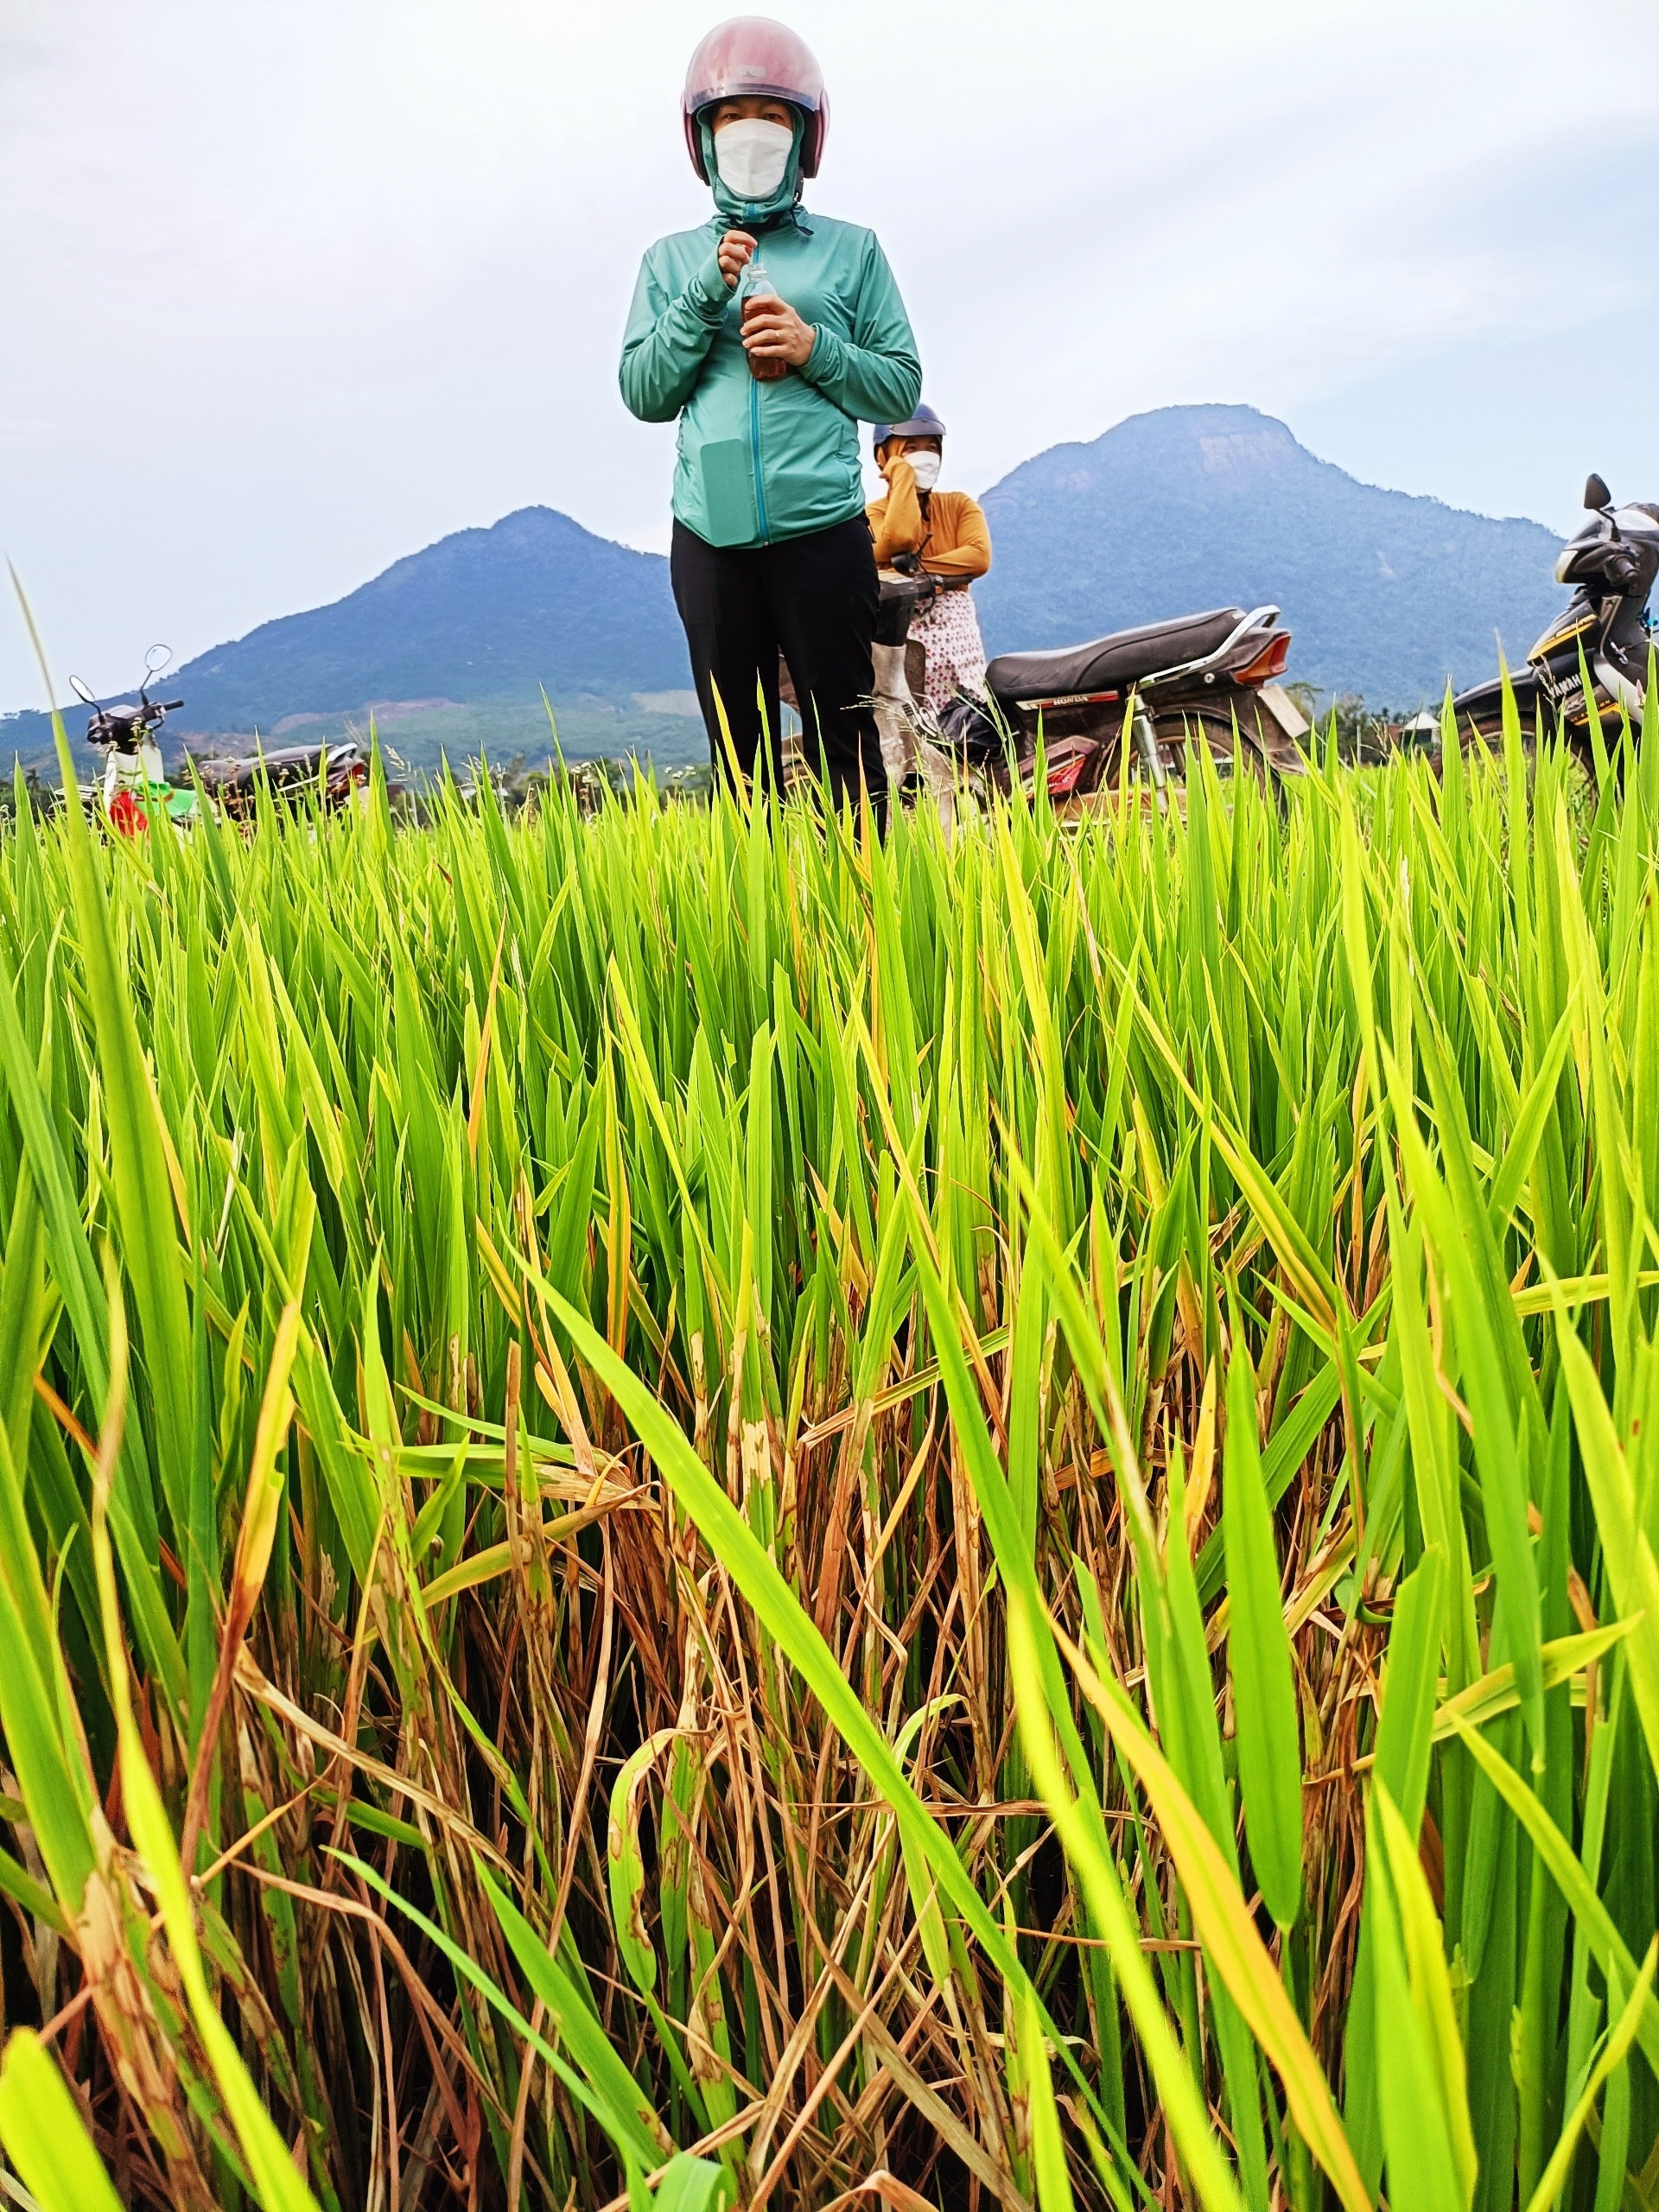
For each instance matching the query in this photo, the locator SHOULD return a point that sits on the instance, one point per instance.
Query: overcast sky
(290, 288)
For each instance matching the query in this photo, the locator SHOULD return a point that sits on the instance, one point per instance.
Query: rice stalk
(796, 1520)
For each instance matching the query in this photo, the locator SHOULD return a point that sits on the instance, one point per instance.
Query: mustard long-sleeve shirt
(952, 537)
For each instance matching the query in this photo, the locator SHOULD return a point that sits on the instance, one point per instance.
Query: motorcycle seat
(287, 764)
(1107, 664)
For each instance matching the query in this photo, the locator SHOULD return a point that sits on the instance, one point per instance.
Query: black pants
(814, 600)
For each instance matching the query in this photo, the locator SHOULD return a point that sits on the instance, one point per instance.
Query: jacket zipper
(759, 473)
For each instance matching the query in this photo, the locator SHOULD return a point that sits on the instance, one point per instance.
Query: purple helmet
(749, 56)
(923, 423)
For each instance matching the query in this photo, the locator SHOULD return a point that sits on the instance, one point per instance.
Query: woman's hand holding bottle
(734, 253)
(774, 336)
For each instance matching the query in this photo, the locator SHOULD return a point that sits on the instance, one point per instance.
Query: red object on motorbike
(1268, 663)
(1073, 767)
(127, 815)
(752, 57)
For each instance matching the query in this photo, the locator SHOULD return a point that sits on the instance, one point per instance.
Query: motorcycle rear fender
(1285, 711)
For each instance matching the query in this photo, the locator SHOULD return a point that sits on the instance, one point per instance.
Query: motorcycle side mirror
(82, 692)
(1596, 497)
(155, 661)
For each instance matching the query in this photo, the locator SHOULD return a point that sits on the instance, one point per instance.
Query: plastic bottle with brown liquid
(758, 285)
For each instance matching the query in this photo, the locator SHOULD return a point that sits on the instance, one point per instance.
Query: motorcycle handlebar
(171, 706)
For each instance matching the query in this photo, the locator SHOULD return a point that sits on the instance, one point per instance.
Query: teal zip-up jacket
(762, 461)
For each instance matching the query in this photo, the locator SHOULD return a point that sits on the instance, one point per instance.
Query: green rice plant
(696, 1510)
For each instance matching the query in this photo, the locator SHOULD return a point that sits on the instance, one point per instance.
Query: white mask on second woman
(752, 155)
(925, 465)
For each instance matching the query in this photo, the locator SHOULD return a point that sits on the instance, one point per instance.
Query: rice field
(697, 1511)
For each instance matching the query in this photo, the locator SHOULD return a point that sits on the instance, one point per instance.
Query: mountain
(1189, 507)
(1182, 509)
(485, 617)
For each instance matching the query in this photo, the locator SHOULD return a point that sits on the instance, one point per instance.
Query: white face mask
(925, 465)
(752, 156)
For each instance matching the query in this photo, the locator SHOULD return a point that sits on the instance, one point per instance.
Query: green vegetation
(419, 739)
(697, 1510)
(424, 737)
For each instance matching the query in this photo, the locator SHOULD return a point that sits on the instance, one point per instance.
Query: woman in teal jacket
(772, 551)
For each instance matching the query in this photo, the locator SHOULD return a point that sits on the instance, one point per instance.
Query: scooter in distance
(1605, 627)
(135, 783)
(337, 773)
(1164, 687)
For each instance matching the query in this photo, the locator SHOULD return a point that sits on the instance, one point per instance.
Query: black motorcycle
(1162, 688)
(1605, 628)
(337, 773)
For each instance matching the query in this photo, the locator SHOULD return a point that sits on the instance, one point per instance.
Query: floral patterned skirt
(955, 654)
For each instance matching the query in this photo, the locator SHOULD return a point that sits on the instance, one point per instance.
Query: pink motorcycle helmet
(751, 56)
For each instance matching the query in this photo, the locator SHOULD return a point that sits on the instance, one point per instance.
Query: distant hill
(483, 618)
(1185, 508)
(1189, 508)
(483, 615)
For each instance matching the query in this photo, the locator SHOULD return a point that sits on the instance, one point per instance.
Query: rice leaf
(1258, 1652)
(42, 2133)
